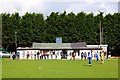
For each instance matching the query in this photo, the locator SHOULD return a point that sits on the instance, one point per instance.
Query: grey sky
(48, 6)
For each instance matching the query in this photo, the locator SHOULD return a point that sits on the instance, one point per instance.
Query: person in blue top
(18, 55)
(90, 54)
(97, 56)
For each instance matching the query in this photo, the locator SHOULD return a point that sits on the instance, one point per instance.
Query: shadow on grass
(87, 65)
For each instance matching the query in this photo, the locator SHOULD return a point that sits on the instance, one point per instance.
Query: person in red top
(44, 54)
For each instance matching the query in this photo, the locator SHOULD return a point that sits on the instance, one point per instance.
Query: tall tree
(10, 24)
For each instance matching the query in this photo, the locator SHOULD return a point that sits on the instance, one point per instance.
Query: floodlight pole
(15, 42)
(101, 32)
(102, 37)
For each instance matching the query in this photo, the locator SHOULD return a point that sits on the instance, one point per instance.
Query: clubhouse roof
(59, 46)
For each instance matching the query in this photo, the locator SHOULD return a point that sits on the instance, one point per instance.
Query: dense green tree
(32, 27)
(10, 24)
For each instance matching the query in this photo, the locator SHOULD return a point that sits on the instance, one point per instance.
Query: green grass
(59, 69)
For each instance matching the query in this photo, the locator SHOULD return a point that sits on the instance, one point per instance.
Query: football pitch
(59, 69)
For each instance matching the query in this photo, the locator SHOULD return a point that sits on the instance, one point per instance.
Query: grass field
(59, 69)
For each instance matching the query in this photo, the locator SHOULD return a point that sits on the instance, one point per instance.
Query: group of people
(15, 56)
(98, 56)
(103, 55)
(63, 55)
(35, 55)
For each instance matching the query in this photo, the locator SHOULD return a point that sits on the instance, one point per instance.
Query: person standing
(90, 54)
(97, 56)
(41, 54)
(109, 54)
(35, 55)
(47, 54)
(105, 55)
(102, 57)
(70, 55)
(44, 55)
(82, 56)
(61, 53)
(31, 54)
(38, 55)
(28, 55)
(23, 53)
(73, 55)
(18, 55)
(85, 55)
(13, 56)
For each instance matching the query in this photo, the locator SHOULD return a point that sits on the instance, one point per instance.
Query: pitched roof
(59, 46)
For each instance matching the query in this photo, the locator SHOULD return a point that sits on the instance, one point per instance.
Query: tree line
(34, 27)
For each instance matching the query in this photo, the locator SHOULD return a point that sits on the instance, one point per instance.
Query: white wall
(30, 52)
(57, 52)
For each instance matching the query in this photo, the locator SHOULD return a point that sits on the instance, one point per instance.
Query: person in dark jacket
(38, 55)
(85, 55)
(82, 56)
(13, 56)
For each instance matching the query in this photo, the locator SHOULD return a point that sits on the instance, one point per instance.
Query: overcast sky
(48, 6)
